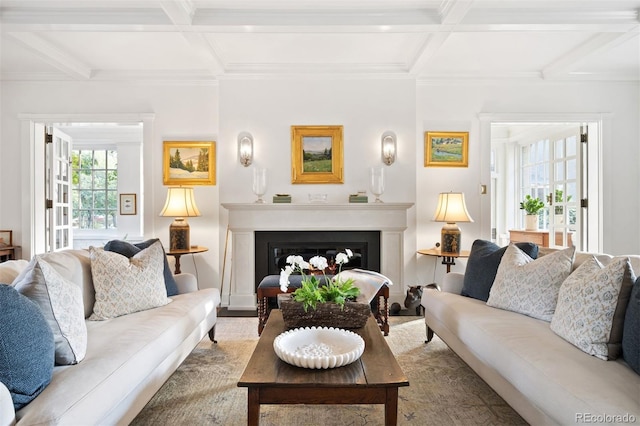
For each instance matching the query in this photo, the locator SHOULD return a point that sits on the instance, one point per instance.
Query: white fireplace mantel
(246, 218)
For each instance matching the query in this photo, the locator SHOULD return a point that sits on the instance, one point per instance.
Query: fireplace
(247, 220)
(273, 247)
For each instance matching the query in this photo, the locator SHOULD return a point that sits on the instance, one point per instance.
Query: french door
(58, 229)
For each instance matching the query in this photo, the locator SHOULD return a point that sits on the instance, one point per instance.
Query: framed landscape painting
(446, 149)
(316, 154)
(189, 163)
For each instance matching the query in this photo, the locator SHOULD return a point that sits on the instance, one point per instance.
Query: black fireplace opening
(273, 247)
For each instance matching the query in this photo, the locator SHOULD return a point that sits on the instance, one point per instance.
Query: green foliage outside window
(94, 183)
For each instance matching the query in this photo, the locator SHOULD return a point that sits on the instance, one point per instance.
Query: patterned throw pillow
(591, 307)
(482, 267)
(60, 300)
(124, 285)
(631, 333)
(528, 286)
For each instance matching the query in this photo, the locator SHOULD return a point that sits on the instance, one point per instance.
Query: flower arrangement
(311, 292)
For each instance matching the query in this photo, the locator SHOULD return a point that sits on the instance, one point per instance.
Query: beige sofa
(128, 358)
(543, 377)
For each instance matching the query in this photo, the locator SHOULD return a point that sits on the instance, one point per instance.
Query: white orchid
(319, 262)
(297, 263)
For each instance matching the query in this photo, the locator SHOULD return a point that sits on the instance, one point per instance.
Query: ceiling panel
(503, 51)
(17, 59)
(316, 48)
(127, 51)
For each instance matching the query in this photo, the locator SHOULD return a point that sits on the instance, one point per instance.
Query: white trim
(30, 166)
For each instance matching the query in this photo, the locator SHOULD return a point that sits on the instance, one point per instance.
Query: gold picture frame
(189, 163)
(446, 149)
(316, 154)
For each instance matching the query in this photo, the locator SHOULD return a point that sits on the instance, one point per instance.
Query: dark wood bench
(269, 289)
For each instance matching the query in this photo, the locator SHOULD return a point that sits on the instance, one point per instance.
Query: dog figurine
(414, 295)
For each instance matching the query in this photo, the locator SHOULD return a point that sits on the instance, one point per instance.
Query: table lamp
(180, 203)
(451, 209)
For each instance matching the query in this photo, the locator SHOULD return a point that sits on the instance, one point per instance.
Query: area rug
(443, 389)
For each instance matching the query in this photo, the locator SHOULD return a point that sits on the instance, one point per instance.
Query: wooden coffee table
(373, 379)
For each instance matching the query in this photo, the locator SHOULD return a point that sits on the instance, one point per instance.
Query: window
(95, 188)
(548, 170)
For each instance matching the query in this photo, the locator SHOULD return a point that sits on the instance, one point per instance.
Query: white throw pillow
(60, 300)
(528, 286)
(126, 285)
(589, 302)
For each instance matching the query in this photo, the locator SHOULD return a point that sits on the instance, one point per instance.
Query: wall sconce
(388, 148)
(245, 148)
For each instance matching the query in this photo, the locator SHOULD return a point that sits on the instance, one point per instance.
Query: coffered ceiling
(205, 41)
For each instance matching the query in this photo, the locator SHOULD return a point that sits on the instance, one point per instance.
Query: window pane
(112, 179)
(100, 159)
(560, 148)
(86, 159)
(99, 200)
(99, 179)
(560, 171)
(85, 181)
(571, 146)
(112, 160)
(571, 169)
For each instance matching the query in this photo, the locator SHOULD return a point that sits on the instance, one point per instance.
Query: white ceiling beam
(452, 13)
(53, 55)
(181, 13)
(596, 44)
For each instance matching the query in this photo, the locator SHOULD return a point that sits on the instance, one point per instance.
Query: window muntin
(95, 188)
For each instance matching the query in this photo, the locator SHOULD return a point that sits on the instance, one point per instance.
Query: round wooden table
(447, 258)
(178, 253)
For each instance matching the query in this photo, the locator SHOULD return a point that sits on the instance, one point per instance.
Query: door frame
(604, 121)
(32, 165)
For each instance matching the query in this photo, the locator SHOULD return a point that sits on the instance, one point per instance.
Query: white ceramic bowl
(320, 347)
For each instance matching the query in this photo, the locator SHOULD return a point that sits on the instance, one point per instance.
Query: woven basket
(354, 314)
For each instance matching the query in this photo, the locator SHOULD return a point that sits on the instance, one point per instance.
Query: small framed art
(446, 149)
(128, 204)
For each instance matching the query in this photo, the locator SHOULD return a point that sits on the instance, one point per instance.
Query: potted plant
(330, 305)
(532, 207)
(559, 210)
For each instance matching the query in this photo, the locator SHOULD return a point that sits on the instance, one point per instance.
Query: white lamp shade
(180, 203)
(245, 148)
(451, 208)
(388, 148)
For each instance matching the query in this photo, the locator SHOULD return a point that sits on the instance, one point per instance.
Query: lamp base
(450, 238)
(179, 234)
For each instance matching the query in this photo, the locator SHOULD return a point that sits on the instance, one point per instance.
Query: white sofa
(128, 358)
(543, 377)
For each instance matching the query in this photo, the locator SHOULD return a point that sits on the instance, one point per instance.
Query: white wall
(457, 107)
(366, 108)
(181, 113)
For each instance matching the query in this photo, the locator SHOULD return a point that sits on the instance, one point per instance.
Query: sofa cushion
(60, 301)
(129, 250)
(126, 285)
(591, 307)
(26, 347)
(482, 267)
(528, 286)
(631, 332)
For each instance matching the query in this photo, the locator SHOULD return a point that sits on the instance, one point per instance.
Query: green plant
(531, 205)
(311, 292)
(559, 198)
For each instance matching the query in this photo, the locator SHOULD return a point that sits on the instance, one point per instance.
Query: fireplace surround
(244, 219)
(273, 247)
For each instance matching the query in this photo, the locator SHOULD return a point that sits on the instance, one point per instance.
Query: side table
(447, 258)
(178, 253)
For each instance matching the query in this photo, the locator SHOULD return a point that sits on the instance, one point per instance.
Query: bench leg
(263, 313)
(212, 334)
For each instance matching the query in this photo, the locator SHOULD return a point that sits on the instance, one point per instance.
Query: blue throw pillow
(127, 249)
(631, 332)
(482, 267)
(27, 349)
